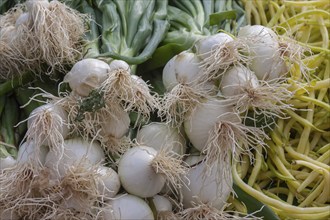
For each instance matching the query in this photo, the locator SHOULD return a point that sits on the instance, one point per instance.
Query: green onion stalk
(124, 30)
(104, 84)
(193, 20)
(9, 118)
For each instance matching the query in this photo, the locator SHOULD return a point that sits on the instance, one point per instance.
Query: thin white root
(294, 54)
(47, 128)
(171, 165)
(181, 100)
(47, 33)
(89, 124)
(166, 215)
(131, 92)
(268, 100)
(58, 29)
(202, 211)
(83, 118)
(27, 190)
(80, 194)
(221, 57)
(11, 61)
(17, 53)
(227, 141)
(31, 192)
(116, 147)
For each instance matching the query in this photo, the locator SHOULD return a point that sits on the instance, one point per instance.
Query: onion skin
(86, 75)
(124, 207)
(75, 150)
(136, 173)
(206, 187)
(160, 135)
(108, 182)
(202, 120)
(265, 55)
(205, 45)
(236, 79)
(7, 162)
(181, 69)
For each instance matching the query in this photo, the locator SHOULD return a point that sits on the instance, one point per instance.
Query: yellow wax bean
(306, 3)
(273, 202)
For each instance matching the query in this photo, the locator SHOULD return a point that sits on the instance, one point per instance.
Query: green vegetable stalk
(193, 20)
(130, 30)
(9, 118)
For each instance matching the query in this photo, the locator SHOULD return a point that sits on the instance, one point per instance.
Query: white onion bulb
(127, 206)
(160, 135)
(28, 152)
(23, 19)
(48, 124)
(181, 69)
(205, 187)
(204, 117)
(161, 203)
(75, 150)
(205, 45)
(86, 75)
(119, 64)
(136, 174)
(236, 79)
(142, 84)
(7, 162)
(115, 124)
(108, 182)
(194, 159)
(266, 61)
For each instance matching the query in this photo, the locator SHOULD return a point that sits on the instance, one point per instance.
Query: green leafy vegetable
(131, 30)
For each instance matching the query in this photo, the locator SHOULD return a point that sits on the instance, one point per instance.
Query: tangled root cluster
(38, 33)
(33, 193)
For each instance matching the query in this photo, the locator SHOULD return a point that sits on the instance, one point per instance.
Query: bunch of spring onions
(63, 168)
(39, 33)
(191, 21)
(292, 175)
(227, 92)
(241, 118)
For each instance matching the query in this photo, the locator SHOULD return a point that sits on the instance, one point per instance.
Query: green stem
(10, 85)
(8, 120)
(2, 103)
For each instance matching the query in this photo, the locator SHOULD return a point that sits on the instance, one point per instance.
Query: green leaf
(132, 30)
(9, 119)
(217, 18)
(254, 206)
(161, 56)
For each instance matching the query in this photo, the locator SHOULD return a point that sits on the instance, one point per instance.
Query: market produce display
(164, 109)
